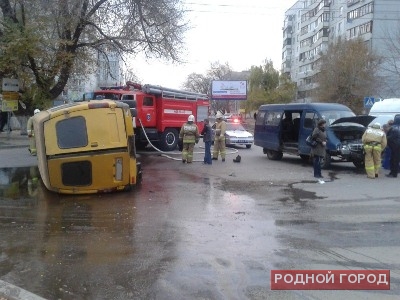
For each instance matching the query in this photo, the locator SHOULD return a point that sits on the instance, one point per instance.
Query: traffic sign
(369, 102)
(10, 96)
(10, 85)
(9, 105)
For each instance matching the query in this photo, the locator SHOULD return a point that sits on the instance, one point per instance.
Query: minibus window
(78, 173)
(72, 133)
(273, 118)
(260, 118)
(310, 120)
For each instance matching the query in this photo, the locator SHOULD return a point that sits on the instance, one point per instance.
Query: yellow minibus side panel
(90, 173)
(86, 130)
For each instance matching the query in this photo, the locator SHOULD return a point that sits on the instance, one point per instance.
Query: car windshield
(382, 119)
(235, 126)
(101, 96)
(332, 115)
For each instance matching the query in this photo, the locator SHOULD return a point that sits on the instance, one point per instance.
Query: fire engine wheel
(169, 139)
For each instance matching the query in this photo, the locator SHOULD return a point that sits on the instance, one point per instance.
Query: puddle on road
(19, 183)
(298, 195)
(198, 229)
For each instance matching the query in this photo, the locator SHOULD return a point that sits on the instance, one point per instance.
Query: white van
(385, 110)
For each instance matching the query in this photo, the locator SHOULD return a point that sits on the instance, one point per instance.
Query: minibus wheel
(273, 155)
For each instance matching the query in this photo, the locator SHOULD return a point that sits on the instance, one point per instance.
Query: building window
(352, 2)
(365, 28)
(360, 11)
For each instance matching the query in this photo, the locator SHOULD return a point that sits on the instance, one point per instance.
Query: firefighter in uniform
(31, 134)
(189, 135)
(374, 140)
(219, 138)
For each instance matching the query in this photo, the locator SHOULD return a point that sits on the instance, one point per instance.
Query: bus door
(267, 129)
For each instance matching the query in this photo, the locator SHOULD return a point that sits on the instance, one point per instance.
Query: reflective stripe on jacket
(189, 133)
(374, 137)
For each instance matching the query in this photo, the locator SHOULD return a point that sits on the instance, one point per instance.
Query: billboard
(229, 90)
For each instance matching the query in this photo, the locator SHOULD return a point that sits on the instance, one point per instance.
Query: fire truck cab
(161, 111)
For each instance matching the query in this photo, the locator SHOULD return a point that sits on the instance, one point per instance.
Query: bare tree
(44, 43)
(391, 59)
(268, 86)
(202, 83)
(347, 73)
(198, 83)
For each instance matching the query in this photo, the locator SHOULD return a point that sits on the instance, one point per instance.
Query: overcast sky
(242, 33)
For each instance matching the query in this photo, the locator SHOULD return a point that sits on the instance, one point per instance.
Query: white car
(236, 134)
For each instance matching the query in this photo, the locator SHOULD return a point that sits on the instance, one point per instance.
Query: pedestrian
(393, 141)
(374, 141)
(189, 136)
(319, 151)
(207, 139)
(31, 133)
(386, 151)
(3, 120)
(219, 138)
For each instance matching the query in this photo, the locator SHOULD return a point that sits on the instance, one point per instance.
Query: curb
(13, 292)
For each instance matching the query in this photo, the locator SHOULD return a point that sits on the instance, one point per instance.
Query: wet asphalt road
(197, 231)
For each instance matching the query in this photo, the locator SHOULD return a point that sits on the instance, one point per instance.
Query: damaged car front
(344, 139)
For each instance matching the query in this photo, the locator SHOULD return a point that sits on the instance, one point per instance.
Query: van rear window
(72, 133)
(77, 173)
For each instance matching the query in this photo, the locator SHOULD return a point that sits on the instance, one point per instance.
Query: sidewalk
(13, 139)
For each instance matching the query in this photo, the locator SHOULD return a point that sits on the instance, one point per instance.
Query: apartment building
(109, 71)
(311, 25)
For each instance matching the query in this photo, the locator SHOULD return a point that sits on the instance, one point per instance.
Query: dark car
(344, 131)
(344, 138)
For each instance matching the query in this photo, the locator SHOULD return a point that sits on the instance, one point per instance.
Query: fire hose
(168, 154)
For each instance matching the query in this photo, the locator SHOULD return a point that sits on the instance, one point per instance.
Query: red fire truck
(161, 111)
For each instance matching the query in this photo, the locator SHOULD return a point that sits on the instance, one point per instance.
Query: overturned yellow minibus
(87, 147)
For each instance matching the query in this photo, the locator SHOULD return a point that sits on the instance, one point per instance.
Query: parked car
(236, 134)
(385, 110)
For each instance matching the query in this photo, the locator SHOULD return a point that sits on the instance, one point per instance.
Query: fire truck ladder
(172, 93)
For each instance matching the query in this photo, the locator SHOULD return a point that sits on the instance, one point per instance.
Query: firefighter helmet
(219, 115)
(191, 118)
(36, 111)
